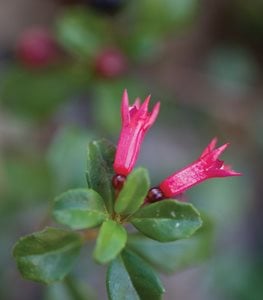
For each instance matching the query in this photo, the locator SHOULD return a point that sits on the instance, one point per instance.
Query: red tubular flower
(207, 166)
(136, 120)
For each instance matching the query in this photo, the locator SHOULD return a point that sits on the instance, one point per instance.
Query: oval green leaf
(133, 193)
(79, 209)
(174, 256)
(100, 158)
(111, 240)
(167, 220)
(48, 255)
(129, 277)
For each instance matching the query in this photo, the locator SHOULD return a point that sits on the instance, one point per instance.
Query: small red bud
(36, 48)
(111, 63)
(118, 181)
(154, 195)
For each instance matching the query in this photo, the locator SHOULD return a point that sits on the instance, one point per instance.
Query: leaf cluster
(162, 241)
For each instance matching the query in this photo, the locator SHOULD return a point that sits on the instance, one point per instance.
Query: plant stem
(74, 289)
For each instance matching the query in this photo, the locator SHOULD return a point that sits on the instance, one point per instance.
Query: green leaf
(80, 32)
(111, 240)
(67, 157)
(133, 193)
(165, 16)
(38, 93)
(108, 95)
(100, 158)
(174, 256)
(48, 255)
(129, 277)
(79, 209)
(167, 220)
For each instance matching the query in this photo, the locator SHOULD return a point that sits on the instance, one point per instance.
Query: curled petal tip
(145, 105)
(153, 114)
(155, 111)
(230, 172)
(213, 143)
(234, 173)
(125, 106)
(214, 154)
(210, 147)
(125, 97)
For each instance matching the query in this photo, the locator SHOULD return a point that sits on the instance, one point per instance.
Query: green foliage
(174, 256)
(111, 240)
(108, 98)
(133, 193)
(79, 209)
(32, 179)
(129, 277)
(166, 15)
(67, 157)
(155, 19)
(167, 220)
(80, 32)
(99, 173)
(38, 93)
(48, 255)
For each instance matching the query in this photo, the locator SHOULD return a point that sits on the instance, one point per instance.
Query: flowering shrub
(118, 195)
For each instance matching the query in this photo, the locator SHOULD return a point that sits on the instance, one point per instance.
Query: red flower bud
(136, 120)
(111, 63)
(207, 166)
(36, 47)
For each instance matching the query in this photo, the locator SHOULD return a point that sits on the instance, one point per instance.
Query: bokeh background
(63, 68)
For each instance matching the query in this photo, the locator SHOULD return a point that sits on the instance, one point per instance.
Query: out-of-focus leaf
(167, 220)
(67, 157)
(81, 32)
(178, 255)
(79, 209)
(130, 277)
(100, 157)
(38, 93)
(153, 20)
(108, 99)
(249, 18)
(133, 193)
(48, 255)
(232, 68)
(33, 182)
(111, 240)
(166, 15)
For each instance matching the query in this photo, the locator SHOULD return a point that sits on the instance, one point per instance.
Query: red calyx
(154, 195)
(118, 181)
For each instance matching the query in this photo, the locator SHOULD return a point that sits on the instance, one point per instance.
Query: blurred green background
(63, 68)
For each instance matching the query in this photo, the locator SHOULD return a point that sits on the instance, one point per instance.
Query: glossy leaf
(79, 209)
(130, 277)
(133, 193)
(167, 220)
(174, 256)
(48, 255)
(99, 173)
(111, 240)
